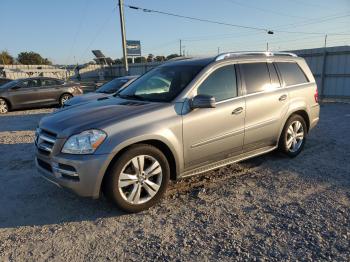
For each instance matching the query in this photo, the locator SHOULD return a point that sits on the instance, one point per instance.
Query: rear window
(49, 82)
(291, 73)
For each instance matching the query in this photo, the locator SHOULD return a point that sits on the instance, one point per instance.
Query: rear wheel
(4, 107)
(64, 98)
(293, 136)
(138, 179)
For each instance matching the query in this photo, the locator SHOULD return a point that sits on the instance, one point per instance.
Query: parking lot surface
(267, 208)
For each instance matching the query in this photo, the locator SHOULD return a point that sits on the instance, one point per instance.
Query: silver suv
(180, 119)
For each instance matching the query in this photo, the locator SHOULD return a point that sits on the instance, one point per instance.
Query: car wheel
(138, 179)
(64, 98)
(4, 107)
(293, 136)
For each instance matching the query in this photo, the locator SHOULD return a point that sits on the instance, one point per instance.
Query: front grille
(45, 141)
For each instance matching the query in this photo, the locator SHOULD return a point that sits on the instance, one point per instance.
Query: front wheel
(138, 179)
(64, 98)
(4, 107)
(293, 136)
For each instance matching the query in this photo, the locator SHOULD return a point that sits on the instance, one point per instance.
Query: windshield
(112, 86)
(10, 84)
(161, 84)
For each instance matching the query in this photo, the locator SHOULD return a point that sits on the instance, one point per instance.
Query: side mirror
(203, 101)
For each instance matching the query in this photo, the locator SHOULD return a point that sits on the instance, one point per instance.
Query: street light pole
(122, 27)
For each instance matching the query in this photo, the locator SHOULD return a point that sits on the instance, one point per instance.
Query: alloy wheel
(65, 98)
(3, 107)
(140, 179)
(295, 136)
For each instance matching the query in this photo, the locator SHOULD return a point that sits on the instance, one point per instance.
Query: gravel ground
(268, 208)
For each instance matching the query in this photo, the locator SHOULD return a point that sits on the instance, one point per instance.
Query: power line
(265, 10)
(98, 31)
(198, 19)
(235, 25)
(315, 21)
(309, 33)
(82, 17)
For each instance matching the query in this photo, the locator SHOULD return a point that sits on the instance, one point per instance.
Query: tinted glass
(31, 83)
(112, 86)
(49, 82)
(10, 84)
(256, 77)
(275, 82)
(161, 84)
(220, 84)
(291, 73)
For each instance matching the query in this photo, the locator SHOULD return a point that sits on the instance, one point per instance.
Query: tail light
(316, 95)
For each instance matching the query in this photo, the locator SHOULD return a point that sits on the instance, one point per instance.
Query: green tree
(32, 58)
(140, 59)
(160, 58)
(118, 61)
(150, 58)
(172, 56)
(6, 58)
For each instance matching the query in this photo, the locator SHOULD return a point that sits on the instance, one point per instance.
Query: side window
(291, 73)
(221, 84)
(31, 83)
(256, 77)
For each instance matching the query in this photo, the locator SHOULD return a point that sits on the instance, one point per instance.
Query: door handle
(237, 111)
(282, 98)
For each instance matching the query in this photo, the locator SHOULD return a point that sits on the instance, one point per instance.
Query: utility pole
(122, 27)
(218, 50)
(267, 46)
(180, 48)
(323, 72)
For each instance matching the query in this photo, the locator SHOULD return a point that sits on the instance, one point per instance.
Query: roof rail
(268, 53)
(179, 58)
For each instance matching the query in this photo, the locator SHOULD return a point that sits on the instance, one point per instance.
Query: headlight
(84, 143)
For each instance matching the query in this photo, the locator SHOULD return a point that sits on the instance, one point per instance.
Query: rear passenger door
(50, 91)
(266, 104)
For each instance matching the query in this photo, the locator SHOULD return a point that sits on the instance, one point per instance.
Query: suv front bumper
(81, 174)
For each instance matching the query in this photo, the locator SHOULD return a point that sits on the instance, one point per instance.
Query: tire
(134, 191)
(4, 106)
(64, 98)
(293, 136)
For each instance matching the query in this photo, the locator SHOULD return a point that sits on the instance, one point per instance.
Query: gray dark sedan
(108, 88)
(35, 92)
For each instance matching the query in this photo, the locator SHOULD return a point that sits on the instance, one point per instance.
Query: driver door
(213, 134)
(25, 94)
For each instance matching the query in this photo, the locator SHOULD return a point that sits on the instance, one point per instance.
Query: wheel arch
(300, 111)
(7, 101)
(161, 145)
(65, 93)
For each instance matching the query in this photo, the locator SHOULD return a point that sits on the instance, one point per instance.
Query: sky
(66, 31)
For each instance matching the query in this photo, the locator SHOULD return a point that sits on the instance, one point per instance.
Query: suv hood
(98, 114)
